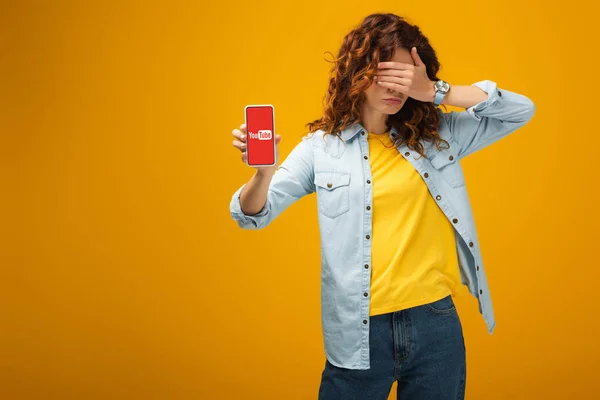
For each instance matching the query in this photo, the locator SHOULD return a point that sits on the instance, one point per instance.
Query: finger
(397, 76)
(243, 128)
(277, 139)
(394, 72)
(239, 135)
(244, 156)
(393, 65)
(416, 57)
(395, 79)
(394, 86)
(239, 145)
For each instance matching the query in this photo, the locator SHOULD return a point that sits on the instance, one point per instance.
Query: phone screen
(260, 139)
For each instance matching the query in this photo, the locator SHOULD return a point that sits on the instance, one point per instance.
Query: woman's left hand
(411, 80)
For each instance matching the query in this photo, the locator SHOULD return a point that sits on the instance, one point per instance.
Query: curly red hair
(352, 73)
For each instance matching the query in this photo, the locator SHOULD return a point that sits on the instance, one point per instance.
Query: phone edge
(274, 144)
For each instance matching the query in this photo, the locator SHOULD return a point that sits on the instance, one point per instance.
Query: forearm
(464, 96)
(254, 194)
(498, 113)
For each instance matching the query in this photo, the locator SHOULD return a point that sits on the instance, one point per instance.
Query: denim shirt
(340, 174)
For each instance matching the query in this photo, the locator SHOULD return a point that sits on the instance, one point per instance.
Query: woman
(397, 231)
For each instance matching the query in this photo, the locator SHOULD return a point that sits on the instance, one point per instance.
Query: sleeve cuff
(491, 89)
(238, 214)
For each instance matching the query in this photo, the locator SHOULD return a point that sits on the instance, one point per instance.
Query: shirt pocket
(446, 162)
(333, 192)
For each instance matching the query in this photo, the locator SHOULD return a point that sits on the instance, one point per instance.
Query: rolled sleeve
(492, 91)
(245, 220)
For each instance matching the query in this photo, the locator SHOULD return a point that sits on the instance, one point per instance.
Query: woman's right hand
(239, 142)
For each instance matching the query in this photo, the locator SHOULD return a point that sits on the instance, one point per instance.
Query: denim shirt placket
(367, 234)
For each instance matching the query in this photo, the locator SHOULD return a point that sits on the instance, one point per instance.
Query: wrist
(441, 89)
(432, 91)
(265, 172)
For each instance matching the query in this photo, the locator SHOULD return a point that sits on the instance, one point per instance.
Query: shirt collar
(357, 128)
(352, 131)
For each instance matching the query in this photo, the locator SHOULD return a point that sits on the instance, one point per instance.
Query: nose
(394, 93)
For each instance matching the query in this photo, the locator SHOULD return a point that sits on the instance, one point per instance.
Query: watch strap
(439, 96)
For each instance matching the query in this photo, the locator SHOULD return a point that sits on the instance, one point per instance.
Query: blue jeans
(421, 347)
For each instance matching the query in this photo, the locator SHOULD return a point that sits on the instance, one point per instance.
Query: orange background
(122, 273)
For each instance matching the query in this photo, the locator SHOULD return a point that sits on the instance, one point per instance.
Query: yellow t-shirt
(414, 258)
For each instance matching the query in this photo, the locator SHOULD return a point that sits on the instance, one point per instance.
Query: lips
(393, 100)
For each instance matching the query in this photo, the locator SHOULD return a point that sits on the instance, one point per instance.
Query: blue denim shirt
(339, 172)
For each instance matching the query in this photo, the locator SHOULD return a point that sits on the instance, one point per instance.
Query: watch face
(442, 86)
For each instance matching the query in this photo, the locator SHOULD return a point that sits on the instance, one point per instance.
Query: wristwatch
(441, 88)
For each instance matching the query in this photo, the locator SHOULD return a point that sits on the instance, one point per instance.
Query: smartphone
(260, 138)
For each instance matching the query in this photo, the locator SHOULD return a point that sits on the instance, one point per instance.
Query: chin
(392, 110)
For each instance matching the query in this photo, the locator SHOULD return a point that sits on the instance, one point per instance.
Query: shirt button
(451, 158)
(478, 268)
(426, 175)
(480, 291)
(368, 237)
(365, 294)
(366, 158)
(329, 185)
(368, 207)
(362, 133)
(407, 154)
(368, 181)
(499, 93)
(364, 321)
(455, 220)
(366, 266)
(438, 197)
(470, 244)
